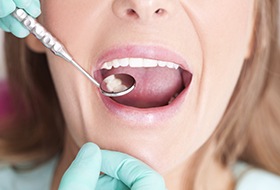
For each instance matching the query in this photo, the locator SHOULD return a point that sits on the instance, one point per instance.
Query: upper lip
(139, 51)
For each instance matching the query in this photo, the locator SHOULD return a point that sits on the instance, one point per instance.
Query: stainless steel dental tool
(112, 86)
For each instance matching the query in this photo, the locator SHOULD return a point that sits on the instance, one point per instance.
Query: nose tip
(143, 10)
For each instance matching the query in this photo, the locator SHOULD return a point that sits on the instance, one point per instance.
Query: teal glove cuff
(84, 170)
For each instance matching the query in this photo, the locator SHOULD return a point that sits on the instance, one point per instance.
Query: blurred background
(2, 69)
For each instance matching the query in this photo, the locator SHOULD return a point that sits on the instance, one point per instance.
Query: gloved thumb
(84, 171)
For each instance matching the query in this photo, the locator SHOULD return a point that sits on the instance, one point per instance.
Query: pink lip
(149, 116)
(142, 118)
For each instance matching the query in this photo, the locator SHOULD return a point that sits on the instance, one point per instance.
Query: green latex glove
(8, 23)
(122, 172)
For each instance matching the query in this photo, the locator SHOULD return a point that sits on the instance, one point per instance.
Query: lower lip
(148, 117)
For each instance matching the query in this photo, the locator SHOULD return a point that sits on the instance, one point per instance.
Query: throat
(200, 171)
(70, 150)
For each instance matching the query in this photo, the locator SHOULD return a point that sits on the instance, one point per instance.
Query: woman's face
(207, 39)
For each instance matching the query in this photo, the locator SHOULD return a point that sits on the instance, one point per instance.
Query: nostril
(131, 13)
(143, 10)
(160, 11)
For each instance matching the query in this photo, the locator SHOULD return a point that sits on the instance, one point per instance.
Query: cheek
(71, 22)
(224, 29)
(65, 16)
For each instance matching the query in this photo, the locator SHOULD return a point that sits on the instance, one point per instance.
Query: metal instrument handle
(48, 40)
(40, 32)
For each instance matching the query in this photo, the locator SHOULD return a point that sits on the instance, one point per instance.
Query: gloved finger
(4, 27)
(106, 182)
(15, 27)
(32, 7)
(84, 170)
(6, 7)
(132, 172)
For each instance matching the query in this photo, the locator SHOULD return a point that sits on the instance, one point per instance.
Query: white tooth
(161, 63)
(109, 79)
(112, 83)
(175, 66)
(124, 62)
(170, 65)
(104, 66)
(172, 98)
(120, 88)
(136, 62)
(150, 63)
(107, 65)
(116, 63)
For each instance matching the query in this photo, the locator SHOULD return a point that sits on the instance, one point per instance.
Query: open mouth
(158, 83)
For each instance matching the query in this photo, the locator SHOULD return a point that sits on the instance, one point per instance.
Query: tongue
(154, 86)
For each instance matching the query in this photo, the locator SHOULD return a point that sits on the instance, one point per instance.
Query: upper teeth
(138, 62)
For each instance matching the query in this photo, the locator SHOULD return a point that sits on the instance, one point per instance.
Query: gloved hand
(121, 172)
(8, 23)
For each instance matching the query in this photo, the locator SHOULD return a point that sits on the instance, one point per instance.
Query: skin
(213, 36)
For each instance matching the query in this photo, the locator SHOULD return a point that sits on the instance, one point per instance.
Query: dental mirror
(112, 86)
(117, 85)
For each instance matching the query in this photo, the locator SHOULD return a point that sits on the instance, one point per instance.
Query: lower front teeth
(138, 63)
(172, 98)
